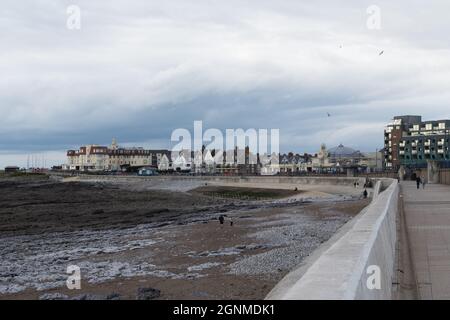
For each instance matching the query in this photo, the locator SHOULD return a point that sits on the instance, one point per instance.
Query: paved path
(427, 214)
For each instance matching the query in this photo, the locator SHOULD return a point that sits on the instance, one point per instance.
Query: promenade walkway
(427, 215)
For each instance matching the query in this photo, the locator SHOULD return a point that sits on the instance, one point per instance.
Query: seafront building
(112, 158)
(412, 143)
(339, 159)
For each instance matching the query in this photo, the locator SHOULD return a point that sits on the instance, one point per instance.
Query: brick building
(411, 142)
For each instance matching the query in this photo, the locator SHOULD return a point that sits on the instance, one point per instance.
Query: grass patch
(243, 193)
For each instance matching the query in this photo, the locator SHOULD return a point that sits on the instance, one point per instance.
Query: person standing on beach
(418, 182)
(221, 219)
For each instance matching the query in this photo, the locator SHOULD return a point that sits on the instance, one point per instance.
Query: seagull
(381, 53)
(328, 114)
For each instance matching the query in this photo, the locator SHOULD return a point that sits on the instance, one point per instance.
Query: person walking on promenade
(365, 193)
(418, 182)
(423, 182)
(221, 219)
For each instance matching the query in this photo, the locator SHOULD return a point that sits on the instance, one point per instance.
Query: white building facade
(112, 158)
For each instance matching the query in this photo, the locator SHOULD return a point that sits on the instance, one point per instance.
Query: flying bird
(328, 114)
(381, 53)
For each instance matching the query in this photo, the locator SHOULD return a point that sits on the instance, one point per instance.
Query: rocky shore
(153, 243)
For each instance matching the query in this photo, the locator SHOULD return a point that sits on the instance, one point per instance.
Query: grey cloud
(138, 70)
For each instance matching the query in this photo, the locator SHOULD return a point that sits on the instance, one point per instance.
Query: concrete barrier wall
(344, 181)
(340, 271)
(377, 190)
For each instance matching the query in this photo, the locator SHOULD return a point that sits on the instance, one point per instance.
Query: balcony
(427, 151)
(441, 151)
(427, 143)
(440, 143)
(414, 152)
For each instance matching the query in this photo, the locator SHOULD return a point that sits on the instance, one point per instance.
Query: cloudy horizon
(138, 70)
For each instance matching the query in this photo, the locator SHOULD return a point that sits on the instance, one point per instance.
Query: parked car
(147, 172)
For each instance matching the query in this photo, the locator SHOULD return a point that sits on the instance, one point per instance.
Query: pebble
(53, 296)
(148, 294)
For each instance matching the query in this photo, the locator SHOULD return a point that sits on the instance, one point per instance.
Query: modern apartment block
(411, 142)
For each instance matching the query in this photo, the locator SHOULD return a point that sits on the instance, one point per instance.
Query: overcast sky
(137, 70)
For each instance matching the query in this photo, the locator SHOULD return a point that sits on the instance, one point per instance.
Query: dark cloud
(138, 70)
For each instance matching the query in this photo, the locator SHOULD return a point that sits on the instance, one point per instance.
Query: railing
(383, 174)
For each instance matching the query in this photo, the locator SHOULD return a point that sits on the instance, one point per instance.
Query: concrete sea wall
(344, 181)
(363, 250)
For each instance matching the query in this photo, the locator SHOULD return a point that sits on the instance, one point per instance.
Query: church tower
(114, 145)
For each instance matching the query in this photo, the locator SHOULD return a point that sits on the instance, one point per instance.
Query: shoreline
(193, 256)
